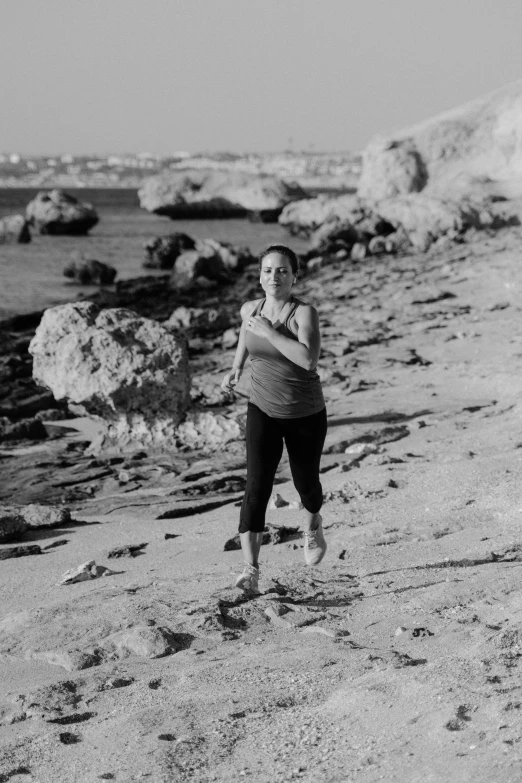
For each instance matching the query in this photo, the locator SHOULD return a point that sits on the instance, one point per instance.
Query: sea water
(31, 276)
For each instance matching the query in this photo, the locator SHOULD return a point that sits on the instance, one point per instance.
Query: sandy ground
(397, 659)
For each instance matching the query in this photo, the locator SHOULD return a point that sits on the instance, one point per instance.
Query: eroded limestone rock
(202, 193)
(129, 373)
(14, 229)
(56, 212)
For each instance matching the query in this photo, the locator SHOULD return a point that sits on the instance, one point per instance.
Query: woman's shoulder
(303, 310)
(248, 308)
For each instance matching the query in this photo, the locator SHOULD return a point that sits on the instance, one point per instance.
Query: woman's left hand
(260, 325)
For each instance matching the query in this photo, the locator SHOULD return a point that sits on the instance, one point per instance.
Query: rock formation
(14, 228)
(88, 271)
(56, 212)
(202, 193)
(198, 319)
(469, 147)
(128, 373)
(162, 252)
(397, 224)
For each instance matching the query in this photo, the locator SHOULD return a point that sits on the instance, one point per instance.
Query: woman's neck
(273, 307)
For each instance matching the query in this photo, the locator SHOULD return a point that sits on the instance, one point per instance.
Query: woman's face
(276, 276)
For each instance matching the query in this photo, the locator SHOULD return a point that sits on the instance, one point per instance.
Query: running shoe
(248, 580)
(315, 544)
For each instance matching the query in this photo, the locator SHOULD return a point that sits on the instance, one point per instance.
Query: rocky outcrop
(162, 252)
(88, 271)
(305, 216)
(56, 212)
(202, 193)
(475, 146)
(234, 258)
(129, 374)
(199, 320)
(206, 430)
(402, 223)
(14, 229)
(390, 168)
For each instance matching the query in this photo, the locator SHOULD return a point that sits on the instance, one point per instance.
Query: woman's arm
(232, 377)
(305, 351)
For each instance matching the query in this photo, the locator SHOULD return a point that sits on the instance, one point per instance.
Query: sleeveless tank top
(280, 388)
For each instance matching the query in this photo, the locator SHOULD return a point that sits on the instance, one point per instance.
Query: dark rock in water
(14, 228)
(162, 252)
(203, 193)
(56, 212)
(90, 272)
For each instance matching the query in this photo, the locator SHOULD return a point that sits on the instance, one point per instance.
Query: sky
(242, 75)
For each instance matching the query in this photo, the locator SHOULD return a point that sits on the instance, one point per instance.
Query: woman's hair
(285, 251)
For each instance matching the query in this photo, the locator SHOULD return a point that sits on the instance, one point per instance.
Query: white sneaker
(248, 580)
(315, 544)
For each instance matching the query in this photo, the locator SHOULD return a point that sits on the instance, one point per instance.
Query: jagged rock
(84, 573)
(37, 515)
(20, 551)
(233, 258)
(71, 660)
(129, 373)
(305, 216)
(88, 271)
(193, 264)
(143, 640)
(473, 148)
(12, 524)
(206, 430)
(127, 550)
(390, 168)
(424, 218)
(197, 319)
(202, 193)
(276, 501)
(14, 229)
(162, 252)
(56, 212)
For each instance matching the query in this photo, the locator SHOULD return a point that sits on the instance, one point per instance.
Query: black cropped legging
(304, 439)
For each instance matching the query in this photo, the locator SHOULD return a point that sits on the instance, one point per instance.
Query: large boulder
(88, 271)
(56, 212)
(129, 374)
(205, 262)
(162, 252)
(477, 146)
(14, 228)
(305, 216)
(204, 193)
(390, 168)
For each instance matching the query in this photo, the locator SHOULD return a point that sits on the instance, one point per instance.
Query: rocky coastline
(127, 653)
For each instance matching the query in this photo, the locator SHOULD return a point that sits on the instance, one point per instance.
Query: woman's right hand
(231, 379)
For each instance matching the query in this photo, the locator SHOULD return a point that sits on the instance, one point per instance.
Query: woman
(281, 335)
